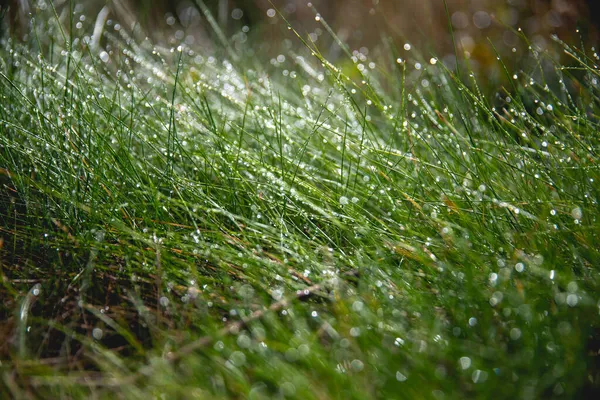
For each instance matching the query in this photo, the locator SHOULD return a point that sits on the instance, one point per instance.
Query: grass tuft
(180, 225)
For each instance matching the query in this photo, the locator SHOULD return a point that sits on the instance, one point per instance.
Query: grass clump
(179, 225)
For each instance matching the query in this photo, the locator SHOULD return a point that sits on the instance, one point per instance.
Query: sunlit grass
(191, 226)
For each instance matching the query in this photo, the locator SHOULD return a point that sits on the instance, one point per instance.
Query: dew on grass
(164, 301)
(170, 19)
(357, 365)
(412, 176)
(277, 294)
(515, 333)
(572, 300)
(104, 56)
(219, 346)
(400, 377)
(358, 306)
(292, 355)
(479, 376)
(496, 298)
(97, 333)
(465, 362)
(344, 200)
(244, 341)
(237, 359)
(237, 13)
(519, 267)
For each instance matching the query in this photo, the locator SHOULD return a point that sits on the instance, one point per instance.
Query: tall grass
(178, 225)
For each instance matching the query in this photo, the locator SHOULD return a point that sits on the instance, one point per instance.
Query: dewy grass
(181, 226)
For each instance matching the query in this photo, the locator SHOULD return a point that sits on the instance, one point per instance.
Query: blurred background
(363, 24)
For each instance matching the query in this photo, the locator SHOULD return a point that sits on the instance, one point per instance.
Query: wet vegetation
(181, 225)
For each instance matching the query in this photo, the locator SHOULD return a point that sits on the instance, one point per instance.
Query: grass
(175, 225)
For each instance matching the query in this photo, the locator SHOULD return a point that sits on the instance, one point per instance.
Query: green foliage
(187, 226)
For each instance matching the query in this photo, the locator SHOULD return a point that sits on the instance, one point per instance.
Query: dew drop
(97, 333)
(465, 362)
(400, 377)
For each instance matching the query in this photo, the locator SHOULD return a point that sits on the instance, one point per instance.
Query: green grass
(190, 227)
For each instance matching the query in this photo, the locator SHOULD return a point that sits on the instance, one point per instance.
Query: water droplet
(479, 376)
(97, 333)
(357, 365)
(164, 301)
(400, 377)
(244, 341)
(482, 19)
(519, 267)
(36, 290)
(465, 362)
(515, 333)
(237, 358)
(357, 306)
(237, 13)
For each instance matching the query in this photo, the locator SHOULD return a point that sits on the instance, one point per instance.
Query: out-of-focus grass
(186, 226)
